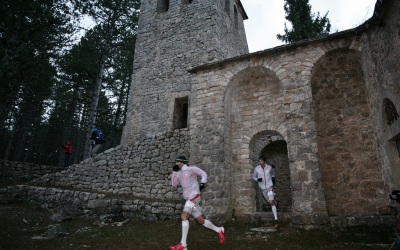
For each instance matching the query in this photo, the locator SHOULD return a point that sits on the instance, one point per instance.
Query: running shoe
(221, 235)
(178, 247)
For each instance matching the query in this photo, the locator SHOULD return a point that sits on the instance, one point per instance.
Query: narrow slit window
(235, 12)
(181, 112)
(163, 6)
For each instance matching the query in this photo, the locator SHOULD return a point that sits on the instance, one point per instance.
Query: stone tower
(173, 37)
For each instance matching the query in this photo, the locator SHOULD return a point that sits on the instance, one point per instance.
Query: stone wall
(24, 171)
(73, 203)
(382, 73)
(141, 170)
(136, 176)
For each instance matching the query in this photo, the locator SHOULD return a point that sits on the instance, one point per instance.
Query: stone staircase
(263, 218)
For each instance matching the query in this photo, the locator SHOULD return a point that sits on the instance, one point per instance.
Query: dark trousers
(66, 160)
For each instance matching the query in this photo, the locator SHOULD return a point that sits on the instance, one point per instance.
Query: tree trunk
(95, 103)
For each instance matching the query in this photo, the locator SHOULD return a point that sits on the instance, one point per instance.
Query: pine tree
(48, 78)
(305, 24)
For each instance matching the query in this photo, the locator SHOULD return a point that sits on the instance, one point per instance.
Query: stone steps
(263, 218)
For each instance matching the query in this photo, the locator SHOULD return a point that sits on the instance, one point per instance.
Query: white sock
(210, 225)
(275, 212)
(185, 231)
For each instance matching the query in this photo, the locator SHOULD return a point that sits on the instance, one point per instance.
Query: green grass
(85, 233)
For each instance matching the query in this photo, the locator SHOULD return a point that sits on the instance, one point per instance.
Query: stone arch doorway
(273, 147)
(252, 103)
(351, 171)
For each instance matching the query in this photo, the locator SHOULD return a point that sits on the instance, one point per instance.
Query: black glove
(202, 186)
(273, 181)
(175, 168)
(259, 179)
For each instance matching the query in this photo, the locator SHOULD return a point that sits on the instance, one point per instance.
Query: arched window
(390, 111)
(163, 6)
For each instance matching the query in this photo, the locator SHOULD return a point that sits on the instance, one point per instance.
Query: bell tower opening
(163, 6)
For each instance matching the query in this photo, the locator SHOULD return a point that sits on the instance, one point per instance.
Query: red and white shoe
(178, 247)
(221, 235)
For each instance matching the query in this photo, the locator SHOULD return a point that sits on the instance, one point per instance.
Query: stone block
(356, 221)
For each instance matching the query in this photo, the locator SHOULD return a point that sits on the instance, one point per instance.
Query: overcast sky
(267, 18)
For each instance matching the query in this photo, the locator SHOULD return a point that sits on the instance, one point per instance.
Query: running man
(186, 176)
(262, 174)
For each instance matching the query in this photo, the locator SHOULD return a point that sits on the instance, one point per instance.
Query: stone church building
(324, 111)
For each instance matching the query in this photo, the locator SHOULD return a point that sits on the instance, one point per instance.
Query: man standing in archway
(262, 175)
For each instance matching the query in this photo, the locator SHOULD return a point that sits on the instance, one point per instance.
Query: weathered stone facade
(169, 43)
(323, 111)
